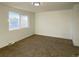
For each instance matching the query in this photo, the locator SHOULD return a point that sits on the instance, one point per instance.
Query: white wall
(7, 36)
(54, 23)
(76, 25)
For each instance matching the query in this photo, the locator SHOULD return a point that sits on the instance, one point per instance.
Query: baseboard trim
(16, 42)
(53, 37)
(34, 35)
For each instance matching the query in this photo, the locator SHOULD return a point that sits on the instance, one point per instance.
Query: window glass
(14, 21)
(17, 21)
(24, 21)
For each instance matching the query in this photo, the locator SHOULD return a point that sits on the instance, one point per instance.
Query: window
(17, 21)
(24, 21)
(13, 20)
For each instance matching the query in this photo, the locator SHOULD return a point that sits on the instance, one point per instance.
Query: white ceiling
(44, 6)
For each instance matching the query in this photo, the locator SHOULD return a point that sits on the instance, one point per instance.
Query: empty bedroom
(39, 29)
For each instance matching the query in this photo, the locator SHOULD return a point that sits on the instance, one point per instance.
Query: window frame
(19, 21)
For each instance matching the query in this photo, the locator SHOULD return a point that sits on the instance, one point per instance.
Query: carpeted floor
(41, 46)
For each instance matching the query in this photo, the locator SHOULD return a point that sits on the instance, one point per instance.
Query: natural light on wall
(17, 21)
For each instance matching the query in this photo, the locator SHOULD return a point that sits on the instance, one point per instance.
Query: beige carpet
(41, 46)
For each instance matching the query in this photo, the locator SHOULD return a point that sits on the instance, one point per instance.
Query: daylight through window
(17, 21)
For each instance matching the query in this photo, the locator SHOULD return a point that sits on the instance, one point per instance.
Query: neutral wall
(7, 36)
(75, 22)
(59, 23)
(54, 23)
